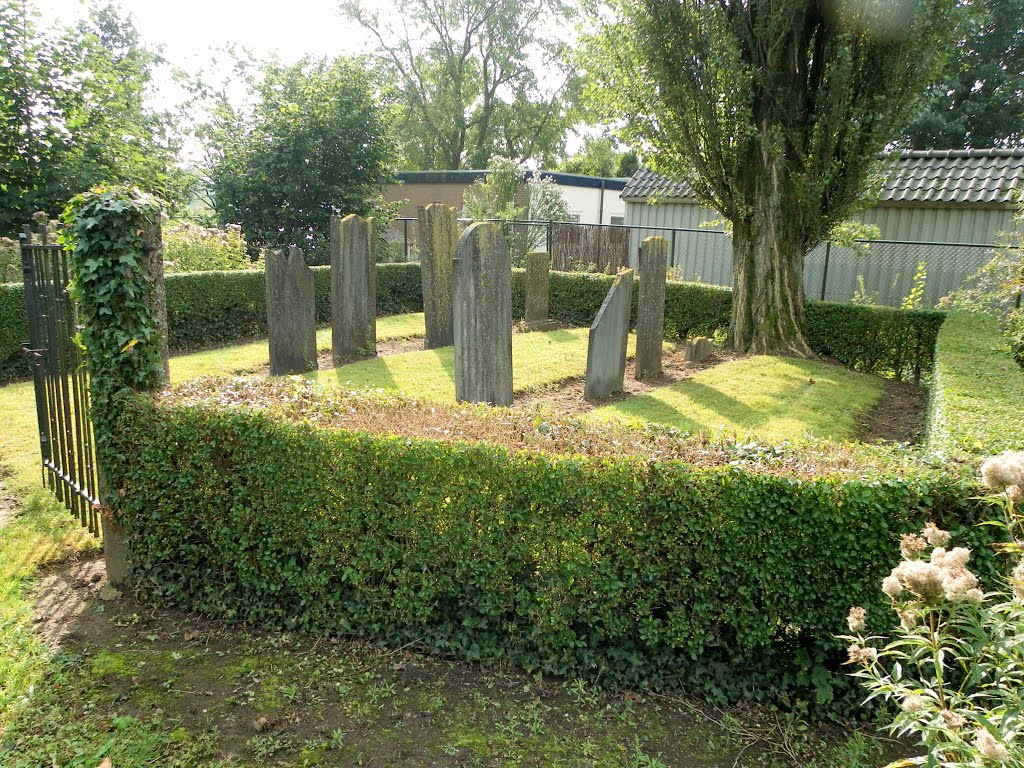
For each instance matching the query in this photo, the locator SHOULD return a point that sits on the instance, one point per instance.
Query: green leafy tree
(601, 156)
(774, 112)
(317, 143)
(979, 100)
(72, 113)
(466, 75)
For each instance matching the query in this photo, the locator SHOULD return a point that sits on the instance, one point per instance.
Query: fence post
(405, 238)
(824, 274)
(550, 235)
(672, 258)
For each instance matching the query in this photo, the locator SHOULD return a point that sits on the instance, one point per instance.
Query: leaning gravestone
(291, 312)
(436, 234)
(609, 334)
(650, 311)
(698, 350)
(353, 287)
(538, 282)
(483, 316)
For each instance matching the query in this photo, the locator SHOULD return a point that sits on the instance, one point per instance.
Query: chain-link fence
(871, 271)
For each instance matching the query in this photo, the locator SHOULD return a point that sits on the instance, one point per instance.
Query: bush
(623, 570)
(977, 392)
(13, 332)
(10, 261)
(191, 248)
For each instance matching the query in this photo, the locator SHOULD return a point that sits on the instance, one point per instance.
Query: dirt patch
(268, 698)
(8, 505)
(899, 417)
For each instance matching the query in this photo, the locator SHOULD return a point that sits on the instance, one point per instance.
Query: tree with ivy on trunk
(774, 112)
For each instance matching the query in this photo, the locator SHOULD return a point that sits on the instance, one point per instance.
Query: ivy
(103, 236)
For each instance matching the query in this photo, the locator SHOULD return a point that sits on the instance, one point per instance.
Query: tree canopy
(466, 74)
(979, 100)
(775, 113)
(318, 142)
(601, 156)
(73, 113)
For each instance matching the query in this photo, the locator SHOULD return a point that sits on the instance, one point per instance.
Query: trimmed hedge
(625, 571)
(977, 393)
(207, 308)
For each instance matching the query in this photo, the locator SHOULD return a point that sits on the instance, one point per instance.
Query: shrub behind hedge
(977, 393)
(624, 571)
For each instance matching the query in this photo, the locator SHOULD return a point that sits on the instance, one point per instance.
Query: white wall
(585, 202)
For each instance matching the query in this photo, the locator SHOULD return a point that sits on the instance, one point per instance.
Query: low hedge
(625, 571)
(206, 308)
(977, 392)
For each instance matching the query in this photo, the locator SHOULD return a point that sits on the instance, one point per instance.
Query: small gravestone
(609, 334)
(650, 311)
(437, 233)
(538, 284)
(698, 350)
(291, 312)
(483, 316)
(353, 287)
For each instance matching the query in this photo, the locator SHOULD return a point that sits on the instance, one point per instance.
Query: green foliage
(494, 196)
(465, 76)
(317, 143)
(72, 113)
(13, 332)
(977, 390)
(976, 102)
(10, 261)
(191, 248)
(729, 581)
(601, 156)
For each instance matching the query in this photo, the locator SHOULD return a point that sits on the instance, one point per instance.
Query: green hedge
(624, 571)
(206, 308)
(977, 393)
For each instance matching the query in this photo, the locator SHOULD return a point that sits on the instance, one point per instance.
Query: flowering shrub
(955, 665)
(191, 248)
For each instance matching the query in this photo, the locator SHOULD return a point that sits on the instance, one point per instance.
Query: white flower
(988, 746)
(1003, 470)
(911, 545)
(855, 620)
(861, 655)
(914, 702)
(892, 587)
(935, 535)
(923, 579)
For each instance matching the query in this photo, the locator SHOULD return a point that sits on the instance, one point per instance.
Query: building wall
(585, 202)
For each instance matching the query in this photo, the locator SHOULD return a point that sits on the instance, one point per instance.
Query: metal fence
(875, 271)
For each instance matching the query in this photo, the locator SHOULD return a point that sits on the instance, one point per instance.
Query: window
(574, 217)
(618, 220)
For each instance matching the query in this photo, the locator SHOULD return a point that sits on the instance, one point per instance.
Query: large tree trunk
(767, 281)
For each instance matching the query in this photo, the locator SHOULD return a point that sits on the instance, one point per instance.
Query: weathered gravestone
(436, 234)
(698, 350)
(609, 334)
(538, 285)
(353, 287)
(483, 316)
(650, 311)
(291, 312)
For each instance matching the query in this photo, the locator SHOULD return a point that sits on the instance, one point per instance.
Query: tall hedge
(625, 571)
(977, 393)
(206, 308)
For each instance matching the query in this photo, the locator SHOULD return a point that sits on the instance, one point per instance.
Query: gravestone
(698, 350)
(436, 234)
(291, 312)
(606, 350)
(538, 285)
(650, 310)
(353, 287)
(483, 316)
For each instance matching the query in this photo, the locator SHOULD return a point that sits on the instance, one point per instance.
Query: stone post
(291, 312)
(483, 316)
(609, 335)
(436, 234)
(538, 281)
(650, 311)
(153, 261)
(353, 287)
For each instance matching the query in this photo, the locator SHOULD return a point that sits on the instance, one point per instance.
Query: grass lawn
(245, 358)
(538, 360)
(769, 398)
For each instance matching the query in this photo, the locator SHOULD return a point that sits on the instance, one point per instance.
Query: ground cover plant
(770, 398)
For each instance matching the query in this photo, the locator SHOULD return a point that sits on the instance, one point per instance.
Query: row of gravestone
(467, 300)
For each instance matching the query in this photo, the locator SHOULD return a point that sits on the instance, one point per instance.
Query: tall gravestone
(437, 232)
(538, 285)
(291, 312)
(483, 316)
(609, 334)
(353, 287)
(650, 311)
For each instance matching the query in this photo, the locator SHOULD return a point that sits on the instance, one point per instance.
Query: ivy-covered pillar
(116, 259)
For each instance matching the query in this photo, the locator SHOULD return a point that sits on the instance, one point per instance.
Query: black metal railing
(66, 440)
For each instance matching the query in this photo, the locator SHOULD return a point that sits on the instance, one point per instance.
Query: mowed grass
(768, 398)
(538, 360)
(245, 358)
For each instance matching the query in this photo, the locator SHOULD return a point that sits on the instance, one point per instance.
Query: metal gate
(61, 385)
